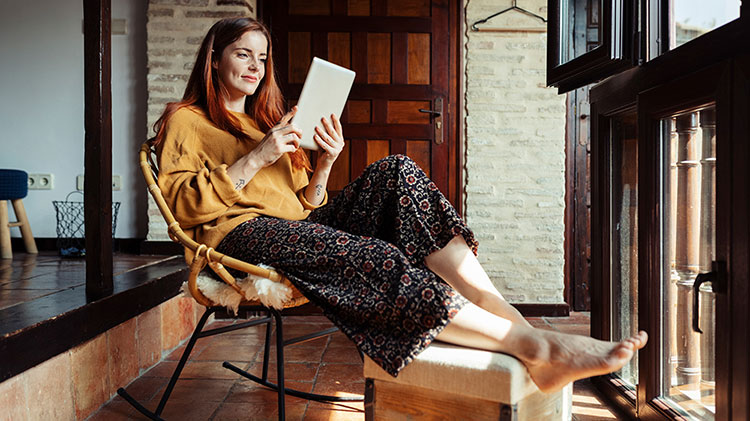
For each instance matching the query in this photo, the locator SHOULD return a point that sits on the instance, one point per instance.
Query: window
(594, 39)
(670, 144)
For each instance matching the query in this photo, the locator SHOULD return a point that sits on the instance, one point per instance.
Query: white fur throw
(270, 293)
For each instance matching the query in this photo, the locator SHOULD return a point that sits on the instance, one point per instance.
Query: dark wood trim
(613, 55)
(539, 310)
(66, 319)
(691, 91)
(167, 248)
(570, 209)
(358, 23)
(457, 105)
(738, 363)
(120, 245)
(720, 44)
(98, 147)
(615, 397)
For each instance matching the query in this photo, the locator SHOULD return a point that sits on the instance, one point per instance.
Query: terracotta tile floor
(330, 365)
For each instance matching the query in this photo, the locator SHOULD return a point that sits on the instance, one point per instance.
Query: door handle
(717, 277)
(436, 115)
(432, 113)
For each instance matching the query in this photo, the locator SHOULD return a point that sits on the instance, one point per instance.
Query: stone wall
(515, 153)
(175, 30)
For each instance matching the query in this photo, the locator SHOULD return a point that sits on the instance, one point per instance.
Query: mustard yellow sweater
(193, 161)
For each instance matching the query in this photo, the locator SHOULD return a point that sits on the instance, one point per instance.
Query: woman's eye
(242, 55)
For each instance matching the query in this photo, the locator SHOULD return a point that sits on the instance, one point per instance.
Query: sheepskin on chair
(269, 293)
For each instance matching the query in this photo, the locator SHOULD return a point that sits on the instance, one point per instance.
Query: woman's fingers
(337, 125)
(324, 136)
(287, 117)
(322, 143)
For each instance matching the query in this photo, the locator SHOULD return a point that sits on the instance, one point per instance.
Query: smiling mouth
(250, 78)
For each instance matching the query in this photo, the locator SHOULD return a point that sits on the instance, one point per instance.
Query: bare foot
(567, 358)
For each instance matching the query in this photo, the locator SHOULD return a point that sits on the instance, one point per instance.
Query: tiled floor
(330, 365)
(28, 277)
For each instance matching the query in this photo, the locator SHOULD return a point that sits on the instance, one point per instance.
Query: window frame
(612, 56)
(654, 91)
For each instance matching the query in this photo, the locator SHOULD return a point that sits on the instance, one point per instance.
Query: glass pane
(580, 28)
(693, 18)
(689, 190)
(624, 241)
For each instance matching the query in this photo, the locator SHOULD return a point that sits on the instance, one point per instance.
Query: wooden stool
(14, 187)
(447, 382)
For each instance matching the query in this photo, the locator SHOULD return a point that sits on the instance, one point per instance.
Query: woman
(388, 260)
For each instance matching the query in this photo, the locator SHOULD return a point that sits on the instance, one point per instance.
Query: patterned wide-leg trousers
(361, 259)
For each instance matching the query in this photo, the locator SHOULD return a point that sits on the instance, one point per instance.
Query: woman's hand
(282, 138)
(330, 138)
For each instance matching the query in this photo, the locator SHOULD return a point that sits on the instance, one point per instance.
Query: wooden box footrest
(450, 382)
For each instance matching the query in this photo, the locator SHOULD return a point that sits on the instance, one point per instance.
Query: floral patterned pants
(361, 259)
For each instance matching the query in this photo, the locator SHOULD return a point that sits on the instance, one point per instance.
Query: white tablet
(324, 93)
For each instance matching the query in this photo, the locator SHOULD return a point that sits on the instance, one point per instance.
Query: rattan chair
(205, 256)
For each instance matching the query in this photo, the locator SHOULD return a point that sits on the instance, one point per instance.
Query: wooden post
(687, 242)
(98, 147)
(708, 242)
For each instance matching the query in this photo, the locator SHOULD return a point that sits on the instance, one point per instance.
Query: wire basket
(71, 228)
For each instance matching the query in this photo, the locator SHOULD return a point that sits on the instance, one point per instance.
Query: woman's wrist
(243, 170)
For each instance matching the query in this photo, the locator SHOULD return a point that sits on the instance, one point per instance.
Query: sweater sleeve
(196, 194)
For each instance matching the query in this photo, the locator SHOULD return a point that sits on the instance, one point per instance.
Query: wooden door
(404, 54)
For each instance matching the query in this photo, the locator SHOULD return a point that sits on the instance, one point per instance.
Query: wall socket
(41, 181)
(116, 183)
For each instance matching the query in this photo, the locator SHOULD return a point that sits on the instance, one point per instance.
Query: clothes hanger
(513, 7)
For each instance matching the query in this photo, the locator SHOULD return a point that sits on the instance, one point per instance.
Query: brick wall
(175, 30)
(76, 383)
(515, 153)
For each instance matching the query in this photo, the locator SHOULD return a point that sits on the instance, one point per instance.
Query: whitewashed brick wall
(175, 30)
(515, 153)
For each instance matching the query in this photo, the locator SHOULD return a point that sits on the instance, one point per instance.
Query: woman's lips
(250, 78)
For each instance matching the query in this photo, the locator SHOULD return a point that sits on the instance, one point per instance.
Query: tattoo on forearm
(318, 189)
(239, 184)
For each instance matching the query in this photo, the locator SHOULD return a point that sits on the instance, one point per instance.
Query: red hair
(265, 106)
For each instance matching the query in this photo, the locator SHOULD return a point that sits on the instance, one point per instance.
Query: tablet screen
(324, 93)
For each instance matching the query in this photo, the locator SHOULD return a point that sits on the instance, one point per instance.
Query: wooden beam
(98, 147)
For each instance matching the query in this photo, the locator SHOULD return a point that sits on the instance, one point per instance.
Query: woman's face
(242, 65)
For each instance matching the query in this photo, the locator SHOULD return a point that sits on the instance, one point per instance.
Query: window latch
(717, 277)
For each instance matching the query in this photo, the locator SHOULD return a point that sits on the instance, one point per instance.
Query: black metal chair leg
(156, 415)
(280, 362)
(280, 344)
(266, 352)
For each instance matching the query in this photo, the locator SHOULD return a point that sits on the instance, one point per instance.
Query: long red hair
(265, 106)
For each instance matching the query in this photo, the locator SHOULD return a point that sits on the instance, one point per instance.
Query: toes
(621, 353)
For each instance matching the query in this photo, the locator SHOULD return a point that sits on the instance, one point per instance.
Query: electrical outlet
(116, 182)
(41, 181)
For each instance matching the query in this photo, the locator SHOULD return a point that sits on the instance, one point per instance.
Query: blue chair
(14, 187)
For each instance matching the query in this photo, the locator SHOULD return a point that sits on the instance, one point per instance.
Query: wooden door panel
(358, 7)
(418, 64)
(407, 112)
(399, 51)
(339, 48)
(408, 8)
(378, 58)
